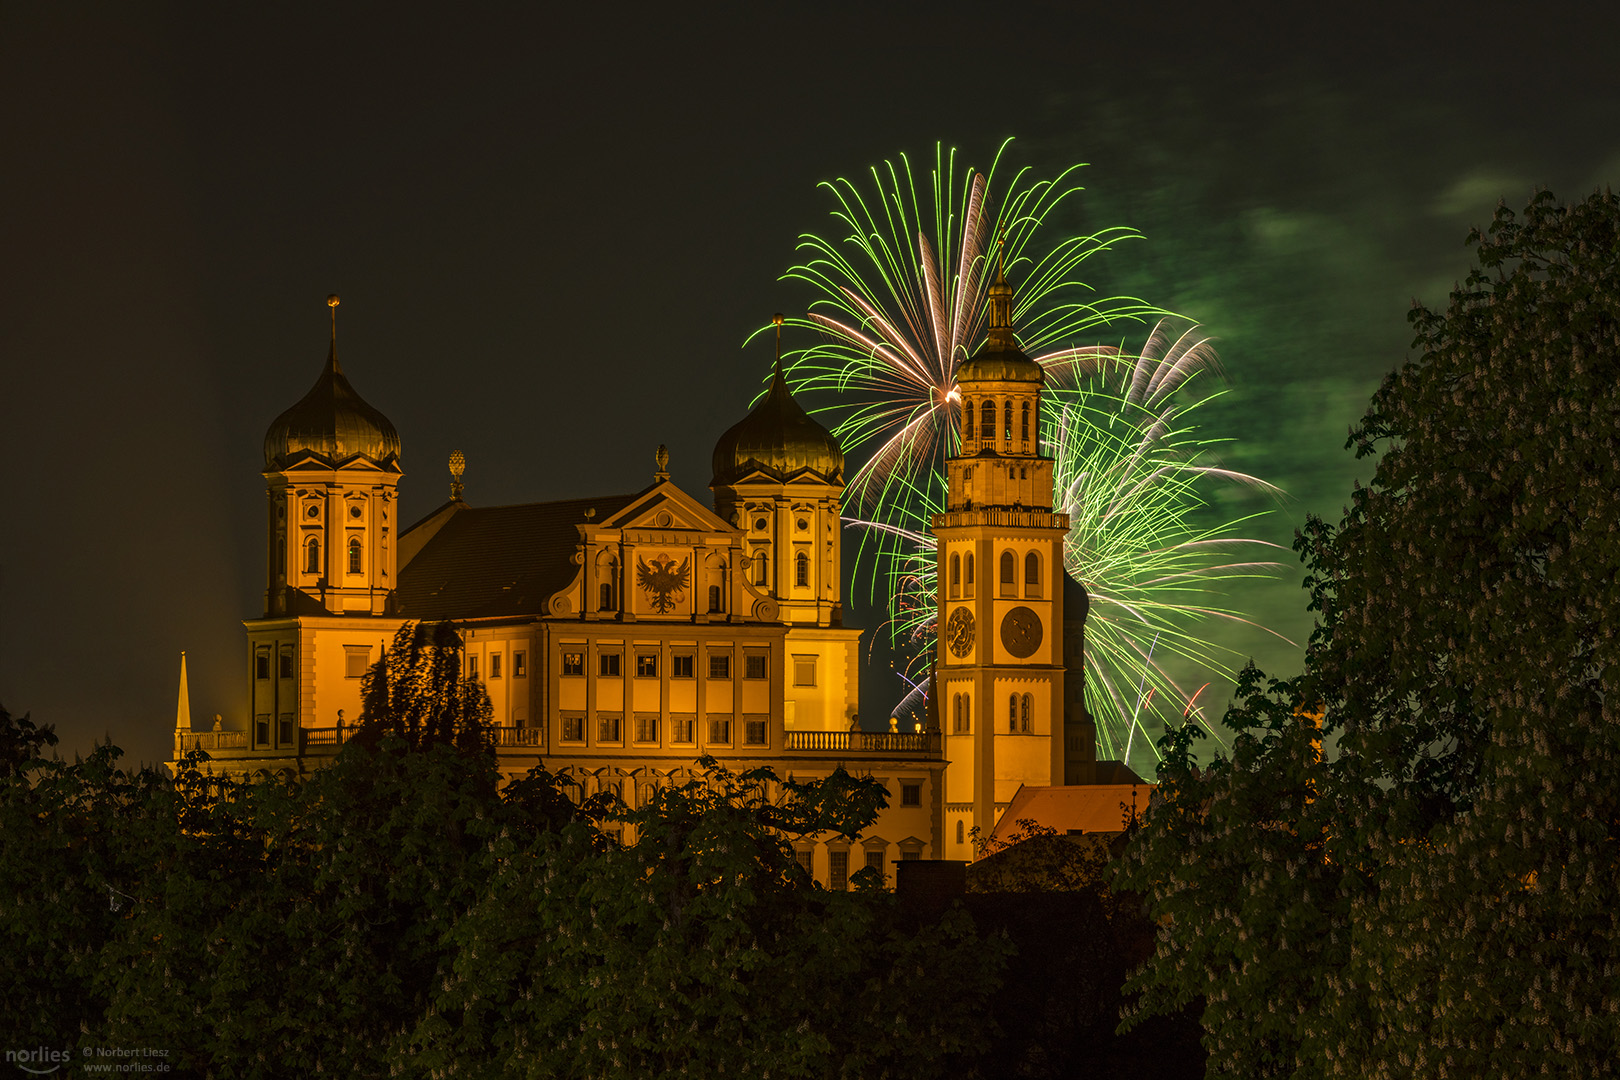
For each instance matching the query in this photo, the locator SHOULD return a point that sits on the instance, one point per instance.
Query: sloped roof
(1087, 808)
(487, 562)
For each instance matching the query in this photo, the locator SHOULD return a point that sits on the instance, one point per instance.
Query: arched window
(1012, 713)
(312, 556)
(967, 420)
(1009, 572)
(961, 831)
(956, 576)
(1006, 414)
(354, 554)
(714, 598)
(1024, 426)
(987, 420)
(967, 574)
(1032, 575)
(762, 570)
(281, 556)
(801, 570)
(608, 584)
(1026, 722)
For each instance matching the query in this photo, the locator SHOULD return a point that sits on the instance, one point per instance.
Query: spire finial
(662, 457)
(458, 465)
(332, 302)
(1001, 334)
(778, 320)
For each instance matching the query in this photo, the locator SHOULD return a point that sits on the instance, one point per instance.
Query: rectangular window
(261, 725)
(261, 664)
(874, 861)
(608, 665)
(495, 665)
(472, 665)
(754, 666)
(286, 664)
(910, 856)
(680, 667)
(573, 729)
(356, 658)
(753, 732)
(838, 870)
(806, 859)
(519, 665)
(607, 729)
(573, 663)
(910, 794)
(804, 671)
(284, 730)
(720, 731)
(681, 729)
(646, 729)
(646, 665)
(719, 665)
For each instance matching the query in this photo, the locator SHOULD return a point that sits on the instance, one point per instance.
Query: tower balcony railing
(925, 743)
(1013, 517)
(187, 741)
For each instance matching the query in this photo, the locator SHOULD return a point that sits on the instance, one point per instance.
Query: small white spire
(182, 712)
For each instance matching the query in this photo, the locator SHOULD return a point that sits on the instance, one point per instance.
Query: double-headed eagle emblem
(665, 581)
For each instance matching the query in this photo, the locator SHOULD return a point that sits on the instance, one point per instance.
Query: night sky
(552, 233)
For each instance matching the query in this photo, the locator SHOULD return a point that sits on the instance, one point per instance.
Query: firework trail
(902, 300)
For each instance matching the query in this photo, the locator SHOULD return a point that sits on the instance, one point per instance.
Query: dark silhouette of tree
(416, 692)
(1437, 893)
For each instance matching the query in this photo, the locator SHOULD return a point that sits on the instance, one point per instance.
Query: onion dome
(778, 438)
(331, 425)
(999, 358)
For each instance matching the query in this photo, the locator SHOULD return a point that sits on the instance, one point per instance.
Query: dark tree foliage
(1438, 894)
(400, 914)
(416, 692)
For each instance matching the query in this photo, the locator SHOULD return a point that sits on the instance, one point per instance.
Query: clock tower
(1000, 668)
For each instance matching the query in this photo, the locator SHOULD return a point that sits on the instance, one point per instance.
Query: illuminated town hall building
(622, 637)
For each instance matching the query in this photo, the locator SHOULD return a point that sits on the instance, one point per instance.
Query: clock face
(959, 632)
(1021, 632)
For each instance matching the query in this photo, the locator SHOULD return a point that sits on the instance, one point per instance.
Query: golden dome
(999, 359)
(780, 439)
(333, 425)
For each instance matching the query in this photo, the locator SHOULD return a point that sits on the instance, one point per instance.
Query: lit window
(646, 665)
(719, 665)
(519, 664)
(494, 665)
(804, 671)
(356, 659)
(755, 666)
(607, 729)
(838, 870)
(573, 663)
(1006, 414)
(801, 570)
(753, 733)
(910, 794)
(680, 666)
(354, 554)
(608, 665)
